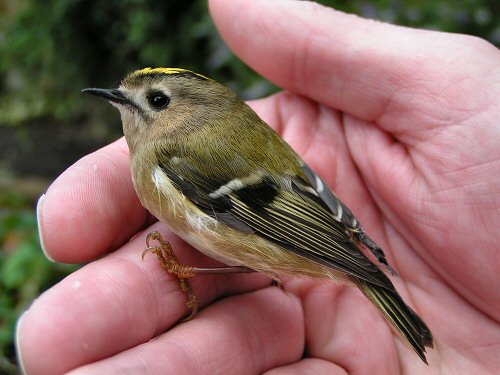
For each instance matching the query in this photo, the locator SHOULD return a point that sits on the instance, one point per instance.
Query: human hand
(401, 123)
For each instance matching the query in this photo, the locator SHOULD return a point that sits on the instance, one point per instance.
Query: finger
(113, 304)
(363, 67)
(308, 366)
(91, 208)
(246, 334)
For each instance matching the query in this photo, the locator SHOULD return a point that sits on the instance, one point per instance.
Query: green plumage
(234, 169)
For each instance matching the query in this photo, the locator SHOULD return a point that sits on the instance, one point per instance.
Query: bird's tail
(406, 321)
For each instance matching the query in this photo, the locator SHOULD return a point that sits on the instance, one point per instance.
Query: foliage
(54, 49)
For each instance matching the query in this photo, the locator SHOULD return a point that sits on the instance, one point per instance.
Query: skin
(402, 123)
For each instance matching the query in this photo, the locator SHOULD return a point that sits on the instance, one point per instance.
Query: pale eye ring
(158, 100)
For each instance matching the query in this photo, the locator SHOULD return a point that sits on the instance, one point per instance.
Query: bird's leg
(169, 262)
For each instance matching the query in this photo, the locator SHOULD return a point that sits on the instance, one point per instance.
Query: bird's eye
(158, 100)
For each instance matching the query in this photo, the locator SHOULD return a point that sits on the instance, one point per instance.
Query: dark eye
(158, 100)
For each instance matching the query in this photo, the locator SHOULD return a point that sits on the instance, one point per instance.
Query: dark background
(50, 50)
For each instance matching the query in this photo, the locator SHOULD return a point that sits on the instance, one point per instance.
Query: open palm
(403, 124)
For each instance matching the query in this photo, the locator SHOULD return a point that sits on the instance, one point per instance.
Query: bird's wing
(286, 210)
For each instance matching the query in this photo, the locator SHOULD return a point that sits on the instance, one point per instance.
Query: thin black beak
(113, 95)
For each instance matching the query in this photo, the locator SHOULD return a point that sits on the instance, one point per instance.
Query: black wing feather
(288, 212)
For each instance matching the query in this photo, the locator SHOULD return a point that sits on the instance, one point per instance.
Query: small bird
(209, 168)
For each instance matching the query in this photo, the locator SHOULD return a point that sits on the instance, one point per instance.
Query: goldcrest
(208, 167)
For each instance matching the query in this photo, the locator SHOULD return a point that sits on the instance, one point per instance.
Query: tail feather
(405, 320)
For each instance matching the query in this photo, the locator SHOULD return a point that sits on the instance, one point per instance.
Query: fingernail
(40, 229)
(19, 353)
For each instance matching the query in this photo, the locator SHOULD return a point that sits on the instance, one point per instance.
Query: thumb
(365, 68)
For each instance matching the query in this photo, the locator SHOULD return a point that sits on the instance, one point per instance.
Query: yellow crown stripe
(154, 71)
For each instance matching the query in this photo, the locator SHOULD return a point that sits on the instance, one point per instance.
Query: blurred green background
(50, 50)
